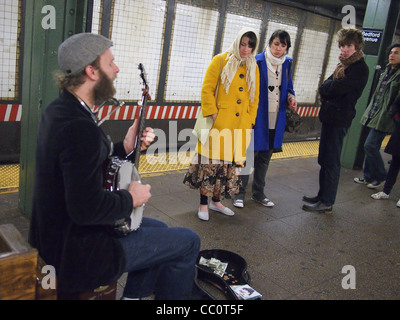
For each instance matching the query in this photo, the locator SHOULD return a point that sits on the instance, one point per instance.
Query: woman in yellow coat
(230, 96)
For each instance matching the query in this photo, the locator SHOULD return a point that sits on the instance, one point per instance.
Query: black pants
(392, 174)
(261, 164)
(261, 161)
(330, 149)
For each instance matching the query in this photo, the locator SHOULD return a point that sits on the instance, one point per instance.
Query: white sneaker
(265, 202)
(398, 203)
(379, 195)
(375, 184)
(203, 215)
(238, 203)
(360, 181)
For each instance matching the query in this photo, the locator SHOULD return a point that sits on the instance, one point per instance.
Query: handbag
(203, 124)
(293, 119)
(202, 127)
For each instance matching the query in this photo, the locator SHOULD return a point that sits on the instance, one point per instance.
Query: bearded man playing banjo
(72, 212)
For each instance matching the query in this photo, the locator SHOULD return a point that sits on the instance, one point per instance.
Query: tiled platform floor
(291, 254)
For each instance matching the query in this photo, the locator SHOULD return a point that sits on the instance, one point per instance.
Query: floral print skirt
(216, 179)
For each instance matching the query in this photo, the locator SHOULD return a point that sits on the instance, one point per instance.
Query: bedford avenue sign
(372, 38)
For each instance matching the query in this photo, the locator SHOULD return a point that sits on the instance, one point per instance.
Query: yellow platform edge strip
(165, 163)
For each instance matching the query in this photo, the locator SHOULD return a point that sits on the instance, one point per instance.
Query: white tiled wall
(309, 65)
(192, 49)
(233, 24)
(138, 35)
(96, 16)
(137, 32)
(8, 48)
(333, 59)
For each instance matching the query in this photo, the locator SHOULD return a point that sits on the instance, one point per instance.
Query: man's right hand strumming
(140, 193)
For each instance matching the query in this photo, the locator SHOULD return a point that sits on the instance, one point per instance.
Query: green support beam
(46, 25)
(380, 15)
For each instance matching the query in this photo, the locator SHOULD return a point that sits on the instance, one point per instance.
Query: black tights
(204, 200)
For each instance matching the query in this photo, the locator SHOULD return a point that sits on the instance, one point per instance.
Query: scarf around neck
(273, 61)
(345, 62)
(235, 61)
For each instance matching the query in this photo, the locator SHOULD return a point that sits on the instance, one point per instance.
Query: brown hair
(350, 36)
(252, 39)
(72, 81)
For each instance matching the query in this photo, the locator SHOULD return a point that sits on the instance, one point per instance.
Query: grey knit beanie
(80, 50)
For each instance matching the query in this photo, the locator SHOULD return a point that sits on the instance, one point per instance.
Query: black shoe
(310, 199)
(318, 207)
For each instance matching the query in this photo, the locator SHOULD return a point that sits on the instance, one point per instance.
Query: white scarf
(235, 61)
(273, 61)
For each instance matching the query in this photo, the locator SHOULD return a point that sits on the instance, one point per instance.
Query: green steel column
(380, 15)
(46, 25)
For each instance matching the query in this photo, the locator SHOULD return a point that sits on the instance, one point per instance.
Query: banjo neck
(120, 173)
(142, 115)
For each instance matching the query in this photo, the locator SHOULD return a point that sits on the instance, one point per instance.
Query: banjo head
(120, 175)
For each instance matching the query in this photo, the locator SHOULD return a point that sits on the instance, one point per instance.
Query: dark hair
(72, 81)
(252, 39)
(350, 36)
(394, 45)
(283, 36)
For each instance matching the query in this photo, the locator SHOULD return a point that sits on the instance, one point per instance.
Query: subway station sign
(372, 40)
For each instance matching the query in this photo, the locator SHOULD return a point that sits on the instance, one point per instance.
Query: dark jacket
(393, 145)
(339, 97)
(71, 210)
(383, 118)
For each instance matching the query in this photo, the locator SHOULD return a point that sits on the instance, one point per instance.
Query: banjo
(120, 172)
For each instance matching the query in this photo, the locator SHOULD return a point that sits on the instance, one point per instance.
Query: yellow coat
(230, 134)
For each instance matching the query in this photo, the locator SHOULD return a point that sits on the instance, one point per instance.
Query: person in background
(213, 169)
(339, 95)
(379, 120)
(393, 148)
(276, 93)
(73, 216)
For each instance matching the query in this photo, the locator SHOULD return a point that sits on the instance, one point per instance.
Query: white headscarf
(235, 60)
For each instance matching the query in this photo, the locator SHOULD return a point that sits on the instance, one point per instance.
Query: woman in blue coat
(276, 93)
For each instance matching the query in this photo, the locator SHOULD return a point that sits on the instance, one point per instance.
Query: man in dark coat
(73, 214)
(339, 95)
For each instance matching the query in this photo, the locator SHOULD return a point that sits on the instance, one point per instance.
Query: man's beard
(104, 89)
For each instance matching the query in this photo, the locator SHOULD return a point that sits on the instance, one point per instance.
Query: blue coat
(261, 128)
